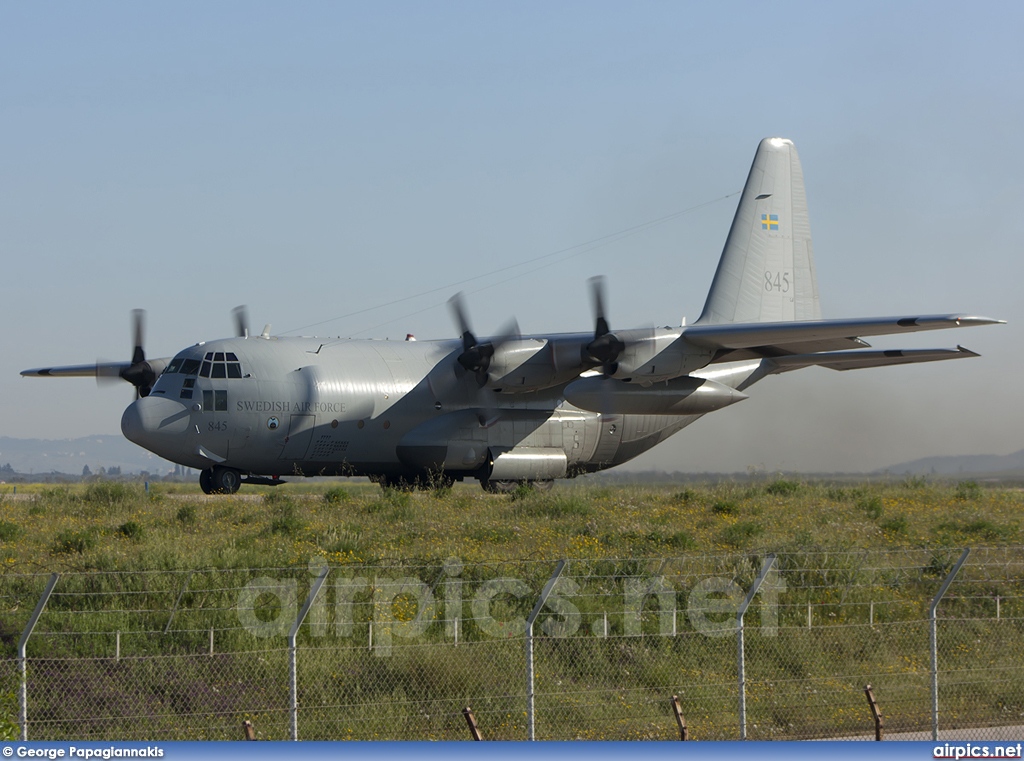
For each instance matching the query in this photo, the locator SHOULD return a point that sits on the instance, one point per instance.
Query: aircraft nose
(149, 422)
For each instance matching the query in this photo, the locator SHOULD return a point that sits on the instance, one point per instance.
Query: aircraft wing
(855, 360)
(770, 339)
(100, 369)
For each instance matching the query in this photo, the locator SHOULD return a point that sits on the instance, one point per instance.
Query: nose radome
(149, 421)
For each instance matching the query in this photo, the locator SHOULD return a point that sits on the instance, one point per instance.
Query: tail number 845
(777, 281)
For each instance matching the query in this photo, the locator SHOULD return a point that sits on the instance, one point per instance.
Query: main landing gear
(219, 480)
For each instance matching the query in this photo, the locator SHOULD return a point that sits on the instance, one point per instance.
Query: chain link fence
(755, 646)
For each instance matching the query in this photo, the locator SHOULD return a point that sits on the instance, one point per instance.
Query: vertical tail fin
(766, 273)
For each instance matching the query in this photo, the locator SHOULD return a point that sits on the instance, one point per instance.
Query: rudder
(766, 272)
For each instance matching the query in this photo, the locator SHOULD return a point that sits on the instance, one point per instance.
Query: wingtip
(970, 319)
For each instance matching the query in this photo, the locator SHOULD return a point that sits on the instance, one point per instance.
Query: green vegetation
(9, 532)
(131, 530)
(174, 561)
(174, 526)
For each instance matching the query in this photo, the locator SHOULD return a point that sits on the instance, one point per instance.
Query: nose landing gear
(219, 480)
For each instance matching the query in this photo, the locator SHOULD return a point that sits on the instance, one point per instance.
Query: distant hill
(70, 456)
(980, 464)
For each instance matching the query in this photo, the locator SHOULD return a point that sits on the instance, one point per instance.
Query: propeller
(241, 315)
(604, 350)
(475, 357)
(138, 371)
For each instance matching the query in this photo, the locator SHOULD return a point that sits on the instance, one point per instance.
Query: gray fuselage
(308, 406)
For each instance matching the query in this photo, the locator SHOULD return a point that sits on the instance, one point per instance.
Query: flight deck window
(191, 367)
(215, 401)
(221, 364)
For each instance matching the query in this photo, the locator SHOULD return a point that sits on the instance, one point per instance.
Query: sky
(344, 168)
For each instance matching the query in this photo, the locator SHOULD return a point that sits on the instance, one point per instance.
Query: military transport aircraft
(509, 409)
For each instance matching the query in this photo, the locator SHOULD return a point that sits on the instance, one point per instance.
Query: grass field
(116, 526)
(124, 553)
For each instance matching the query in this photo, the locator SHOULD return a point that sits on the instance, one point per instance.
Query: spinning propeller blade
(604, 350)
(241, 315)
(475, 357)
(139, 373)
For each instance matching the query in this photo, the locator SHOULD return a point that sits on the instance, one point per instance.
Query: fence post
(293, 666)
(684, 732)
(769, 562)
(876, 714)
(933, 620)
(529, 646)
(474, 730)
(23, 658)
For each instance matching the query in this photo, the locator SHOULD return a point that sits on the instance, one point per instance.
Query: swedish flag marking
(769, 221)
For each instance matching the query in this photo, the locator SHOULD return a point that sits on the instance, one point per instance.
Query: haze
(316, 160)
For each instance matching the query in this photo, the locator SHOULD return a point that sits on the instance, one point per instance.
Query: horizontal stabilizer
(856, 360)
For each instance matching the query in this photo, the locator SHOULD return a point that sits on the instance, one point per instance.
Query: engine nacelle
(521, 365)
(650, 356)
(530, 364)
(679, 396)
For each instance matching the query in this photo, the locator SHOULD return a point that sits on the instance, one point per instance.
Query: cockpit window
(193, 367)
(221, 364)
(216, 364)
(215, 401)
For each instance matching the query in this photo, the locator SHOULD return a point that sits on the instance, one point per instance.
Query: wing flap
(856, 360)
